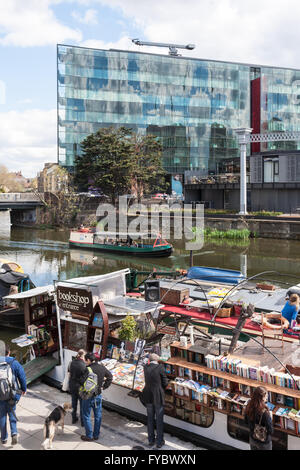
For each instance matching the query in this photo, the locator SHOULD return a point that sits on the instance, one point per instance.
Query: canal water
(46, 256)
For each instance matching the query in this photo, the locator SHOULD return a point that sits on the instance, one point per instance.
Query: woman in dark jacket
(257, 413)
(153, 396)
(77, 369)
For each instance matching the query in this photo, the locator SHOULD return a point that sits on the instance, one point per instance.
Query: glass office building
(192, 105)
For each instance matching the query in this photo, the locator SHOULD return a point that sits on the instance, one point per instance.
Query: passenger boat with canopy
(136, 244)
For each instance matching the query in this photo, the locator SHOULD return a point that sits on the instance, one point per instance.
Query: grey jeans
(255, 445)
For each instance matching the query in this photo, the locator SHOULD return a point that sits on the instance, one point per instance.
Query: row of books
(201, 392)
(261, 374)
(289, 413)
(39, 299)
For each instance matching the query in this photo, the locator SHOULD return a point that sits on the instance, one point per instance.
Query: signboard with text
(75, 300)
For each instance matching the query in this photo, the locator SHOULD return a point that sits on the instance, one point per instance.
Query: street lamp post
(243, 139)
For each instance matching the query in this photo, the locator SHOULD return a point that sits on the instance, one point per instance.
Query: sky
(262, 32)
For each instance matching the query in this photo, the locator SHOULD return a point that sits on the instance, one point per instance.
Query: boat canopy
(31, 293)
(103, 287)
(124, 234)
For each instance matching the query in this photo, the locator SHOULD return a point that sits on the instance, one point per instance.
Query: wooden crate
(263, 286)
(224, 312)
(173, 296)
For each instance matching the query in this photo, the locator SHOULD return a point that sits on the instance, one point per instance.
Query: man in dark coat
(153, 396)
(77, 369)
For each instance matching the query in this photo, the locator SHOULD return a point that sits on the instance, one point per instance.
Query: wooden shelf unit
(48, 319)
(99, 312)
(230, 407)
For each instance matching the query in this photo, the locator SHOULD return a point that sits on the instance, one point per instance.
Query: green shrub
(128, 329)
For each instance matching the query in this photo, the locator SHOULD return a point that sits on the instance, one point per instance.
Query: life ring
(86, 230)
(266, 324)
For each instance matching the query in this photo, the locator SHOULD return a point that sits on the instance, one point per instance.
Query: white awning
(31, 293)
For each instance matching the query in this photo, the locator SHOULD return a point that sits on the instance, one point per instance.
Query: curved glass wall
(191, 105)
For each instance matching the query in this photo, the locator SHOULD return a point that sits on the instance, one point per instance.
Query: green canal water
(46, 256)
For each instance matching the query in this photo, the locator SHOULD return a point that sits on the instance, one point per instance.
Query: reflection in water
(45, 256)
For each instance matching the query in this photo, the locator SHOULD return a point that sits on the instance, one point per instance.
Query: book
(282, 411)
(98, 335)
(98, 320)
(97, 349)
(271, 406)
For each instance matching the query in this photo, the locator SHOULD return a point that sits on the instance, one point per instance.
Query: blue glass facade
(192, 105)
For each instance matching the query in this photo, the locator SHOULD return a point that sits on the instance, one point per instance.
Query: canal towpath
(117, 432)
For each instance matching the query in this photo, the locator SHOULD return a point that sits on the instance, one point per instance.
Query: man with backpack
(96, 379)
(12, 386)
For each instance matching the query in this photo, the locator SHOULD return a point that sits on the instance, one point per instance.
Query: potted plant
(127, 331)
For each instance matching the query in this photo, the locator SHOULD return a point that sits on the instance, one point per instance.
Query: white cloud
(123, 43)
(89, 17)
(28, 140)
(32, 23)
(251, 31)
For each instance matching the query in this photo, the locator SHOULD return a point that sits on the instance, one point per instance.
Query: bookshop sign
(75, 300)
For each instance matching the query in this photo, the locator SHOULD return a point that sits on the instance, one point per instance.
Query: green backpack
(90, 387)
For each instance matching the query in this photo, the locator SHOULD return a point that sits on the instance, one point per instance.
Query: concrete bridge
(19, 208)
(20, 200)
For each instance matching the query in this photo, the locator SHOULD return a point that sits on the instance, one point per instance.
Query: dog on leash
(56, 418)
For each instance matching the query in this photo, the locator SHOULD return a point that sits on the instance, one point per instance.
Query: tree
(117, 161)
(62, 205)
(107, 162)
(148, 174)
(10, 182)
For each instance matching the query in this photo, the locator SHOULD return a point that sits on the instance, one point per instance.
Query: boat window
(238, 429)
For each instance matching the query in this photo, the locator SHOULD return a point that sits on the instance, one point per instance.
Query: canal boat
(138, 244)
(208, 386)
(12, 280)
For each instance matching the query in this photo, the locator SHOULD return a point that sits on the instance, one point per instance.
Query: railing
(215, 179)
(19, 197)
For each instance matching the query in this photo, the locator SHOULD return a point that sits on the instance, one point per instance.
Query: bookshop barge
(208, 388)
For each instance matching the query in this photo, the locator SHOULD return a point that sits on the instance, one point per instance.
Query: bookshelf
(98, 331)
(41, 322)
(220, 391)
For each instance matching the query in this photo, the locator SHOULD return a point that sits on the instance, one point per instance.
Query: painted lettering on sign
(75, 300)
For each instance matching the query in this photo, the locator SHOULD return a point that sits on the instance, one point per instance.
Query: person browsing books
(153, 397)
(259, 420)
(77, 369)
(104, 380)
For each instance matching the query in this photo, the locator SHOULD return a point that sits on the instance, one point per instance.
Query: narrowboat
(12, 280)
(209, 387)
(137, 244)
